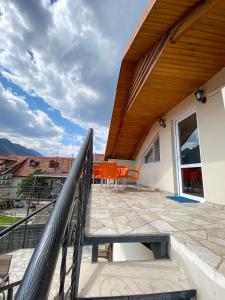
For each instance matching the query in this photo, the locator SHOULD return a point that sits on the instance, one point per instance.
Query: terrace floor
(199, 227)
(105, 279)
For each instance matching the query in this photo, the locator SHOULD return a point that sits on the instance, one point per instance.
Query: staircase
(158, 278)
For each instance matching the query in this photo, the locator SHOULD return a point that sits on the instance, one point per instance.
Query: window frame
(152, 148)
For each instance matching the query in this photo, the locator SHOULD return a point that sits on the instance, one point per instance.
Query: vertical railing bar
(65, 244)
(63, 265)
(25, 226)
(10, 294)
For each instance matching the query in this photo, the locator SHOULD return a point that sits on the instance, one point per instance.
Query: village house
(14, 168)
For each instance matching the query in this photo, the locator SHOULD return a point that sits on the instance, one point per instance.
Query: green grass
(8, 220)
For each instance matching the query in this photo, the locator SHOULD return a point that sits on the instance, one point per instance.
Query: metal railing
(22, 234)
(60, 232)
(8, 194)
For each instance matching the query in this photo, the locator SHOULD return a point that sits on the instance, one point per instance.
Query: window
(153, 154)
(33, 163)
(53, 164)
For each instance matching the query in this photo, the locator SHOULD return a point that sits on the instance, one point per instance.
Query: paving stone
(145, 229)
(136, 222)
(215, 226)
(220, 233)
(163, 226)
(218, 249)
(130, 278)
(185, 226)
(200, 234)
(217, 240)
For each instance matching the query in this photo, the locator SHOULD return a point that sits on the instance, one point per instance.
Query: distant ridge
(9, 148)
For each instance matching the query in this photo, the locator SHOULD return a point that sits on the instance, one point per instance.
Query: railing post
(25, 226)
(10, 294)
(94, 257)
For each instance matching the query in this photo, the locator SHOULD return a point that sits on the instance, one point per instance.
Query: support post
(94, 253)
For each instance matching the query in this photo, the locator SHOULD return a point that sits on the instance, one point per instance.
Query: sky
(59, 65)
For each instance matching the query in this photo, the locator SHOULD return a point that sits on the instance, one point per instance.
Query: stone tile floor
(110, 279)
(21, 258)
(131, 278)
(200, 227)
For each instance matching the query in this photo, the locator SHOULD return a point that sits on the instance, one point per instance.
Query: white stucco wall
(131, 252)
(122, 162)
(211, 123)
(209, 283)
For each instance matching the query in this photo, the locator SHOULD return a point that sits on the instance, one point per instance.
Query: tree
(32, 186)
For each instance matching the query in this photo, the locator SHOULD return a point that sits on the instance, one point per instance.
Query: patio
(198, 227)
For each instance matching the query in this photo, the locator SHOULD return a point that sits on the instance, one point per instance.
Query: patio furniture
(97, 172)
(135, 176)
(122, 173)
(109, 173)
(5, 261)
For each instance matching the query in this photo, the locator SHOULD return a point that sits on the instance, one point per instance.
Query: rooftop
(53, 166)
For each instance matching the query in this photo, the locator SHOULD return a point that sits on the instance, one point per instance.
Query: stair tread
(104, 279)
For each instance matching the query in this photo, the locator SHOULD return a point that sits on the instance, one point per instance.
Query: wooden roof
(178, 47)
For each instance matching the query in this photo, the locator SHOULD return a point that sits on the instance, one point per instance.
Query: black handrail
(37, 279)
(24, 220)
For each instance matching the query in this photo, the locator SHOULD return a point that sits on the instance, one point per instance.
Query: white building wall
(131, 252)
(122, 162)
(14, 186)
(211, 123)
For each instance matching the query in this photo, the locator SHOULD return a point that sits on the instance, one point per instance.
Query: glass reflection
(189, 141)
(192, 181)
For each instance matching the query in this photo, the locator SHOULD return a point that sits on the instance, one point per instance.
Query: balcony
(184, 245)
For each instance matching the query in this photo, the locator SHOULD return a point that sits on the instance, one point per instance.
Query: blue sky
(59, 64)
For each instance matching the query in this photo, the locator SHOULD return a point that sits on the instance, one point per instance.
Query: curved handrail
(37, 279)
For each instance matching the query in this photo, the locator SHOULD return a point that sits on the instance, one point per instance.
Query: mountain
(9, 148)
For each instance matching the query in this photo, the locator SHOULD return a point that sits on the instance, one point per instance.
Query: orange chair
(109, 172)
(135, 176)
(97, 172)
(122, 173)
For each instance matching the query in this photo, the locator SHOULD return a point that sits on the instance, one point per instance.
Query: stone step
(107, 279)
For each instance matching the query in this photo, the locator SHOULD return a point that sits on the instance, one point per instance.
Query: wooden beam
(200, 10)
(150, 63)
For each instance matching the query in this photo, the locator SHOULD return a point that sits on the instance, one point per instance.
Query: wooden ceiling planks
(146, 37)
(196, 56)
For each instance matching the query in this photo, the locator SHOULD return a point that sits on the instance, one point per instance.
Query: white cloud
(32, 129)
(47, 147)
(68, 54)
(15, 116)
